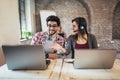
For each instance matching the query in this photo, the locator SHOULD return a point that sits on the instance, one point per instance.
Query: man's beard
(52, 32)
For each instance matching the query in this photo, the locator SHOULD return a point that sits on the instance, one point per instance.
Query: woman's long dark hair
(82, 26)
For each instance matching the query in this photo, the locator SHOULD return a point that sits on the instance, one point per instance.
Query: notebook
(19, 57)
(94, 58)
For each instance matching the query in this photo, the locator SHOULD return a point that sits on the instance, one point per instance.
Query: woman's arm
(65, 50)
(56, 46)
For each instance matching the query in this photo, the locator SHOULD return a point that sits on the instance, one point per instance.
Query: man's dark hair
(53, 18)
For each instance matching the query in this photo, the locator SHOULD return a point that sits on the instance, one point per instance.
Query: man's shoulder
(60, 37)
(41, 33)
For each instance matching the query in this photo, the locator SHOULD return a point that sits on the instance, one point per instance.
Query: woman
(61, 32)
(80, 40)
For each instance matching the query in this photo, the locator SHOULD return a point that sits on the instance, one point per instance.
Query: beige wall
(9, 24)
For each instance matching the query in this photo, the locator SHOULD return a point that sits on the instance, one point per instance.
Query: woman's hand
(56, 46)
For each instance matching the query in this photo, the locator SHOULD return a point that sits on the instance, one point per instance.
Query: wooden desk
(69, 73)
(60, 70)
(51, 73)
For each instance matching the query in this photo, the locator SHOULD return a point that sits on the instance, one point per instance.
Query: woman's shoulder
(71, 37)
(91, 35)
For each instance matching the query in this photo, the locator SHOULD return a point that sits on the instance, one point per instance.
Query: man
(48, 38)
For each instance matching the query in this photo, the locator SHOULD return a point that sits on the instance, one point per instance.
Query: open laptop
(20, 57)
(94, 58)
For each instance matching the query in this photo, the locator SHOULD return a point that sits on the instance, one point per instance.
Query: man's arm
(52, 56)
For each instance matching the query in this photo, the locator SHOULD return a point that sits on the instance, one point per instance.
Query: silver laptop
(94, 58)
(19, 57)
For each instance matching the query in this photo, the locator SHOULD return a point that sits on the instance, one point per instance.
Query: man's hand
(53, 56)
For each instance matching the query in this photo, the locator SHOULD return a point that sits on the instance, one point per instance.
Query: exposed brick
(101, 14)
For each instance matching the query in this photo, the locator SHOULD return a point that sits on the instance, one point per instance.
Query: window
(26, 16)
(22, 17)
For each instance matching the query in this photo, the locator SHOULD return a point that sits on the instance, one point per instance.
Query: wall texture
(64, 10)
(116, 22)
(9, 24)
(116, 26)
(99, 15)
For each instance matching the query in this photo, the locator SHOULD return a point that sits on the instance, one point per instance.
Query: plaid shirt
(41, 37)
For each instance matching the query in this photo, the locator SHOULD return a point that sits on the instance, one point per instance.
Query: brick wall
(116, 22)
(66, 10)
(99, 15)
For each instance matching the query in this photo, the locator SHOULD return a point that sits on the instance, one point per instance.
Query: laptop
(94, 58)
(22, 57)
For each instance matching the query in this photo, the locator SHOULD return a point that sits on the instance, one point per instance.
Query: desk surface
(60, 70)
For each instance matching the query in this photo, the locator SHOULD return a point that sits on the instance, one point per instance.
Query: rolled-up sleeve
(38, 39)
